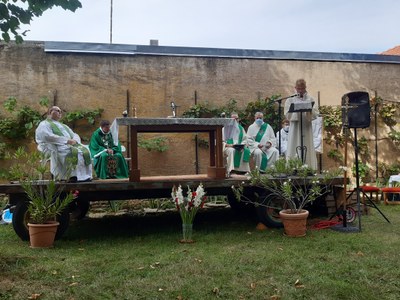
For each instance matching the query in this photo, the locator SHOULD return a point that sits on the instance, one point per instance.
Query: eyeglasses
(57, 110)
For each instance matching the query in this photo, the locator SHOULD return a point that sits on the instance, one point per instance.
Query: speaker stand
(344, 227)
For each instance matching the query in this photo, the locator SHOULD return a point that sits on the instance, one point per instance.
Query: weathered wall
(78, 81)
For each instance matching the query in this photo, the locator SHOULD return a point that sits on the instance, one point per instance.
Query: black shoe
(73, 179)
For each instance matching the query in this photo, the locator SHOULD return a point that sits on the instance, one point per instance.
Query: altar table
(213, 126)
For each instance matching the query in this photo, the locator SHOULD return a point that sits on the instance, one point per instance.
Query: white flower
(199, 196)
(179, 195)
(189, 205)
(189, 195)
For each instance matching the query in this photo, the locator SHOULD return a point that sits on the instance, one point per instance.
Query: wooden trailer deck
(146, 188)
(113, 189)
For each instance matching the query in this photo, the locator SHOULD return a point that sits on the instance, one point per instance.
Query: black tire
(268, 212)
(20, 220)
(63, 219)
(21, 217)
(79, 208)
(239, 207)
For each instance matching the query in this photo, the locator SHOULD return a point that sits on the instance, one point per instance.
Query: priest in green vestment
(235, 147)
(108, 160)
(262, 142)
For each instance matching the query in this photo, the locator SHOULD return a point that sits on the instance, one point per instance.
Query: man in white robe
(282, 137)
(235, 147)
(317, 134)
(69, 159)
(295, 139)
(262, 142)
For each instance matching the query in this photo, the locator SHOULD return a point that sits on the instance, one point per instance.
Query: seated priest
(69, 159)
(262, 141)
(236, 150)
(108, 160)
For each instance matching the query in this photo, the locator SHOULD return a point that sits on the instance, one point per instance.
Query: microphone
(349, 106)
(280, 99)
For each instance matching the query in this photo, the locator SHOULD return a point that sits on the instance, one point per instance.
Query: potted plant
(285, 197)
(47, 198)
(46, 202)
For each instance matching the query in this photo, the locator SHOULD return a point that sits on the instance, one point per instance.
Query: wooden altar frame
(213, 127)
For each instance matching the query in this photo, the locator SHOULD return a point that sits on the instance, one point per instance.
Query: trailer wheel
(239, 207)
(79, 208)
(268, 212)
(21, 218)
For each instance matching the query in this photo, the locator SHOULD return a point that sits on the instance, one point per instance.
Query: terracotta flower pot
(42, 235)
(295, 224)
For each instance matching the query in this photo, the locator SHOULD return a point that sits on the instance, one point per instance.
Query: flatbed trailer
(147, 188)
(115, 189)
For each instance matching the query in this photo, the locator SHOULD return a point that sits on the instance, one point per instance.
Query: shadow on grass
(112, 226)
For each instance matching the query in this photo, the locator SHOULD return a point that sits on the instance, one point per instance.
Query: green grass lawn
(140, 258)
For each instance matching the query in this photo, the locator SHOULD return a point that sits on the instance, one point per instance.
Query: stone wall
(78, 81)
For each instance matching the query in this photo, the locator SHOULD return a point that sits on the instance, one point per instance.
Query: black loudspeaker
(356, 110)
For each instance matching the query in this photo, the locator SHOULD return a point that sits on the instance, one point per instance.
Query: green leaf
(4, 11)
(10, 104)
(6, 37)
(29, 125)
(18, 39)
(44, 101)
(25, 17)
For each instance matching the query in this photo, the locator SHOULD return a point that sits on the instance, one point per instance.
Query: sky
(344, 26)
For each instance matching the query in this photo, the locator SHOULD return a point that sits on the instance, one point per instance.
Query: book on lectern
(301, 106)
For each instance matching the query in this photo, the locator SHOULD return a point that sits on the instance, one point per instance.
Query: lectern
(300, 107)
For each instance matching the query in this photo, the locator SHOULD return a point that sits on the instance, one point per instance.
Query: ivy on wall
(267, 106)
(18, 123)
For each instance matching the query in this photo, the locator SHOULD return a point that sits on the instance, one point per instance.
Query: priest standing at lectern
(301, 124)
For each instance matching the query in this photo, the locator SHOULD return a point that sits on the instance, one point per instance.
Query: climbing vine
(388, 112)
(332, 117)
(18, 123)
(267, 106)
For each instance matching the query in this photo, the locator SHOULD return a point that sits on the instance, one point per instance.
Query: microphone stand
(280, 121)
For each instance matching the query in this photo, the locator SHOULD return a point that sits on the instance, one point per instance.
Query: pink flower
(75, 194)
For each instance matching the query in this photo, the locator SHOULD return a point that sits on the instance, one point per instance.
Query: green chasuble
(105, 165)
(238, 154)
(259, 136)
